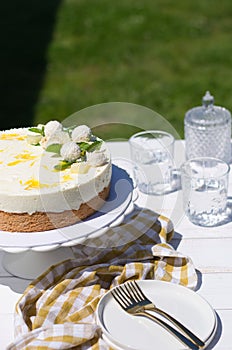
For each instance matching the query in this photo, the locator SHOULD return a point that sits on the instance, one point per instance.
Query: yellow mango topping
(33, 184)
(25, 156)
(46, 167)
(6, 136)
(14, 163)
(67, 177)
(22, 157)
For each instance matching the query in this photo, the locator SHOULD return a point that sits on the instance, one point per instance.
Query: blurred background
(60, 56)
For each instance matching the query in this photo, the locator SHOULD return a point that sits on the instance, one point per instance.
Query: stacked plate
(123, 331)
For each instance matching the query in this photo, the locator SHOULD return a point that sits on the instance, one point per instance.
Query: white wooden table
(209, 248)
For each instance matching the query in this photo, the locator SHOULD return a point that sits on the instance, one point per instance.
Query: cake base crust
(42, 221)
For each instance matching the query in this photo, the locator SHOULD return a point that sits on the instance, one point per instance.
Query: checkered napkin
(57, 310)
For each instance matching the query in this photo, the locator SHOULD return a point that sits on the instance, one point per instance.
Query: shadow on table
(217, 334)
(199, 279)
(18, 285)
(177, 237)
(175, 243)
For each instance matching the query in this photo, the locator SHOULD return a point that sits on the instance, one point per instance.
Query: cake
(51, 176)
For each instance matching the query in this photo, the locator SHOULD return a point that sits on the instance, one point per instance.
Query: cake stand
(27, 255)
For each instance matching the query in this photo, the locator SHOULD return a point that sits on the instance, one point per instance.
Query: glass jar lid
(207, 115)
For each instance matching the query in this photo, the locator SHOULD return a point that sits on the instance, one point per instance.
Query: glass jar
(207, 131)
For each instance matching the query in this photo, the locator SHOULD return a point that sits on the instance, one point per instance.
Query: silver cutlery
(132, 299)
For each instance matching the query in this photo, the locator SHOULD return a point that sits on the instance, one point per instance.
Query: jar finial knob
(208, 99)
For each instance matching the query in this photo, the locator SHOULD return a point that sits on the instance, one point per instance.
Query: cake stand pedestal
(30, 264)
(27, 255)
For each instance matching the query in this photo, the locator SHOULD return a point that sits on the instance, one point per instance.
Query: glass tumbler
(152, 155)
(205, 186)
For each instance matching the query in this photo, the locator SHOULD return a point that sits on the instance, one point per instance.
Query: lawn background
(59, 57)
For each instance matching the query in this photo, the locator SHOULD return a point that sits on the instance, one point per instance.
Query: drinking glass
(152, 155)
(205, 186)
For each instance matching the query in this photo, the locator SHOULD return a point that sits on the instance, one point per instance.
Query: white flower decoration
(81, 133)
(70, 151)
(60, 137)
(51, 127)
(96, 159)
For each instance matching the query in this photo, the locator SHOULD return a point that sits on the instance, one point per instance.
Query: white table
(209, 248)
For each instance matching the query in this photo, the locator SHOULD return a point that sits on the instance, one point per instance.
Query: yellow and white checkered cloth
(57, 310)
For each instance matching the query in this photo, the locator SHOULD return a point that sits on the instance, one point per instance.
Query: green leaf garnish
(90, 147)
(37, 130)
(96, 145)
(54, 148)
(69, 129)
(83, 146)
(63, 164)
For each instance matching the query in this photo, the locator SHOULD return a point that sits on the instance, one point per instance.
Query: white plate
(125, 331)
(116, 204)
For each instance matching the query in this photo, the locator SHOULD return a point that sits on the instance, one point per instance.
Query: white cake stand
(27, 255)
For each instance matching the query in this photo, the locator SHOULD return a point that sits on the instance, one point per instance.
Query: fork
(132, 299)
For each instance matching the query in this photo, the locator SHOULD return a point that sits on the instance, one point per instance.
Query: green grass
(159, 54)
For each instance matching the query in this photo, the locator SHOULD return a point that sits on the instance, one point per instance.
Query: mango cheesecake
(51, 176)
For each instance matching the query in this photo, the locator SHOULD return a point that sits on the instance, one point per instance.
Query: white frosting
(29, 183)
